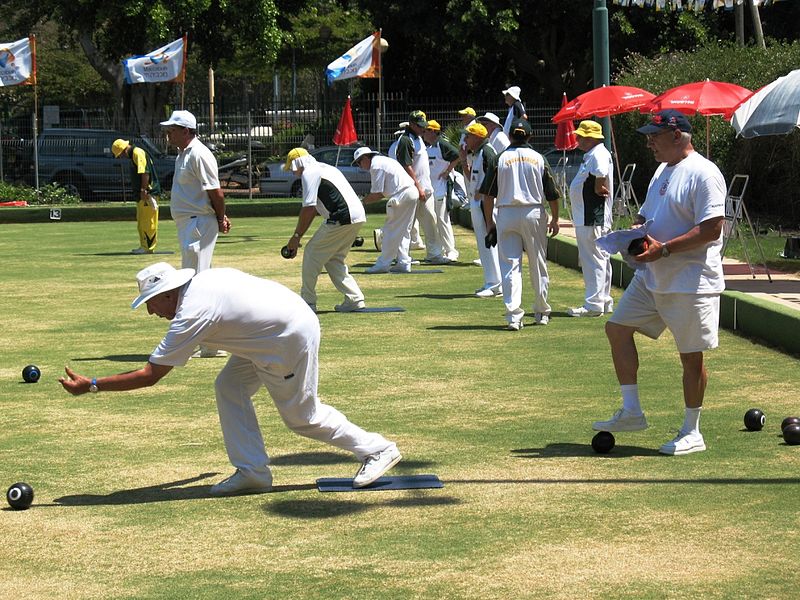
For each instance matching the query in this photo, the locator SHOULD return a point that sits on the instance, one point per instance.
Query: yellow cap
(590, 129)
(434, 125)
(293, 155)
(118, 147)
(467, 111)
(477, 129)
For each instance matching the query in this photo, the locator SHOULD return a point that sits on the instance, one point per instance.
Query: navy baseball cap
(521, 127)
(666, 119)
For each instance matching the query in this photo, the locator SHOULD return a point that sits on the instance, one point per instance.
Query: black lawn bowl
(20, 496)
(603, 442)
(789, 421)
(791, 435)
(31, 374)
(754, 419)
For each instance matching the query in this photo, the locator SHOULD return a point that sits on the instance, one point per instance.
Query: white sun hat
(513, 91)
(157, 278)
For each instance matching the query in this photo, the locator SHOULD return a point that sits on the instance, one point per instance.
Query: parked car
(277, 182)
(80, 160)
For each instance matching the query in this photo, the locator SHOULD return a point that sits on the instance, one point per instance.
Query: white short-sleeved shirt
(256, 319)
(499, 140)
(679, 198)
(388, 177)
(422, 168)
(326, 189)
(520, 170)
(587, 207)
(195, 173)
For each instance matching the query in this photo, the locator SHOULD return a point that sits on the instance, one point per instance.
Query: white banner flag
(17, 63)
(360, 61)
(164, 64)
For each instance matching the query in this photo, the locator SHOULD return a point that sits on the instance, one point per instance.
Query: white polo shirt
(499, 140)
(195, 173)
(388, 177)
(589, 208)
(326, 188)
(520, 173)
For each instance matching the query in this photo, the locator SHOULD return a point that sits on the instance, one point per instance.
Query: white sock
(630, 399)
(691, 421)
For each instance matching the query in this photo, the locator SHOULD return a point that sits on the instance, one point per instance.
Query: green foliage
(50, 194)
(771, 161)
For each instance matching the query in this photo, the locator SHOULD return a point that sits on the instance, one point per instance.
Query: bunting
(362, 60)
(167, 63)
(696, 5)
(18, 62)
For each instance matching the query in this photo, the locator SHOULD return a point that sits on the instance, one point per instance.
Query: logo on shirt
(664, 187)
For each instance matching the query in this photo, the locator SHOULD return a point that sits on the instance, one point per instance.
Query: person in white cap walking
(591, 192)
(516, 110)
(273, 337)
(326, 192)
(197, 204)
(390, 180)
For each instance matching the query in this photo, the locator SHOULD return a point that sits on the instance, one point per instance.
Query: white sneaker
(375, 465)
(239, 483)
(477, 262)
(541, 318)
(515, 326)
(622, 421)
(583, 312)
(417, 246)
(209, 353)
(374, 269)
(348, 306)
(400, 269)
(489, 292)
(141, 251)
(684, 443)
(608, 308)
(377, 237)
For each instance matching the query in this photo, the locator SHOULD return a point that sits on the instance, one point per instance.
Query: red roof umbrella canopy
(565, 132)
(346, 130)
(703, 97)
(604, 102)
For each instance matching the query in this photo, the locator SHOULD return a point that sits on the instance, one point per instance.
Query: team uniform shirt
(522, 179)
(679, 198)
(588, 207)
(195, 173)
(142, 163)
(252, 318)
(388, 177)
(392, 151)
(326, 189)
(411, 150)
(499, 140)
(515, 111)
(484, 169)
(440, 155)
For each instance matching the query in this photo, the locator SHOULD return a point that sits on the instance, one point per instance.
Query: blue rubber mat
(380, 309)
(400, 482)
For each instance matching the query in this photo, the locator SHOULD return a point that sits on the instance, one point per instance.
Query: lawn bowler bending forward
(327, 192)
(680, 285)
(273, 338)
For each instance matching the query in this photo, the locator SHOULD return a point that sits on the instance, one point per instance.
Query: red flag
(565, 132)
(346, 130)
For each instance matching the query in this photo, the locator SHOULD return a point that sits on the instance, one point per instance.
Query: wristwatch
(664, 251)
(93, 386)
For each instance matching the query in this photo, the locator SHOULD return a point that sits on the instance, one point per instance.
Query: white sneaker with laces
(541, 318)
(582, 311)
(240, 483)
(348, 306)
(684, 443)
(489, 292)
(375, 465)
(515, 326)
(622, 421)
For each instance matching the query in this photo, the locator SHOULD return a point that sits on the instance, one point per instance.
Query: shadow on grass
(468, 328)
(241, 239)
(439, 296)
(128, 253)
(561, 450)
(331, 508)
(116, 358)
(312, 458)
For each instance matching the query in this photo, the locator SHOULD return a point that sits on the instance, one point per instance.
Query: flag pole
(35, 114)
(380, 91)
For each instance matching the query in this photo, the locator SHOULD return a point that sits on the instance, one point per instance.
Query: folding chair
(625, 199)
(560, 177)
(734, 207)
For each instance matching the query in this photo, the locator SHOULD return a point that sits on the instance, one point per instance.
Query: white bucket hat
(490, 117)
(514, 91)
(157, 278)
(181, 118)
(361, 152)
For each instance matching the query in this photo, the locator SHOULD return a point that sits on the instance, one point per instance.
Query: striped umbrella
(772, 110)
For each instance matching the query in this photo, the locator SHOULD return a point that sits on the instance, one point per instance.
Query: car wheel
(72, 183)
(297, 189)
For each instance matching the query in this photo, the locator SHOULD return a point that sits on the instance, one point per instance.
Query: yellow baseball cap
(590, 129)
(467, 111)
(293, 155)
(434, 125)
(118, 147)
(477, 129)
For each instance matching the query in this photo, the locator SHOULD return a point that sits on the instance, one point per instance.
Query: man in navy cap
(679, 287)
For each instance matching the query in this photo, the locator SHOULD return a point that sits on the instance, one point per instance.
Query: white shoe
(477, 262)
(376, 269)
(417, 246)
(608, 308)
(489, 292)
(377, 237)
(541, 318)
(239, 483)
(375, 465)
(210, 353)
(141, 251)
(515, 326)
(622, 421)
(400, 269)
(684, 443)
(348, 306)
(583, 312)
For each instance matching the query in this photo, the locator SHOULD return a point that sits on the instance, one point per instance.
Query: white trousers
(426, 214)
(523, 229)
(328, 249)
(596, 266)
(295, 397)
(445, 229)
(197, 237)
(488, 256)
(397, 229)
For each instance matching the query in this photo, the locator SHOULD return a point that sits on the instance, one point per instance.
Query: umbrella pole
(614, 146)
(708, 143)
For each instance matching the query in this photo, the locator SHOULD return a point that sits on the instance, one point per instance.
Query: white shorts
(693, 319)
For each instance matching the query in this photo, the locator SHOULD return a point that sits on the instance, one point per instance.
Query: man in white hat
(197, 204)
(390, 180)
(497, 136)
(590, 192)
(326, 192)
(516, 110)
(273, 338)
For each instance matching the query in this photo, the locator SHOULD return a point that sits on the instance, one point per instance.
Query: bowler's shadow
(116, 358)
(439, 296)
(327, 508)
(561, 450)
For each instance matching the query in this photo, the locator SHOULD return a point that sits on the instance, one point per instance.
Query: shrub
(50, 194)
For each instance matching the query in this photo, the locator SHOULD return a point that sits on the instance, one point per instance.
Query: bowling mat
(399, 482)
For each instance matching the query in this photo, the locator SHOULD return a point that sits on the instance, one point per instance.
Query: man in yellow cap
(591, 193)
(145, 185)
(443, 158)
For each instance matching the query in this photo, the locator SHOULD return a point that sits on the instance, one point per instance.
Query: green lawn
(528, 510)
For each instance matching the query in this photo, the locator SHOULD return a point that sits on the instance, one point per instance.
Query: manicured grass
(528, 510)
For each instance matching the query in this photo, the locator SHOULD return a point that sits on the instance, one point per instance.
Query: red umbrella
(701, 97)
(346, 130)
(604, 102)
(565, 132)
